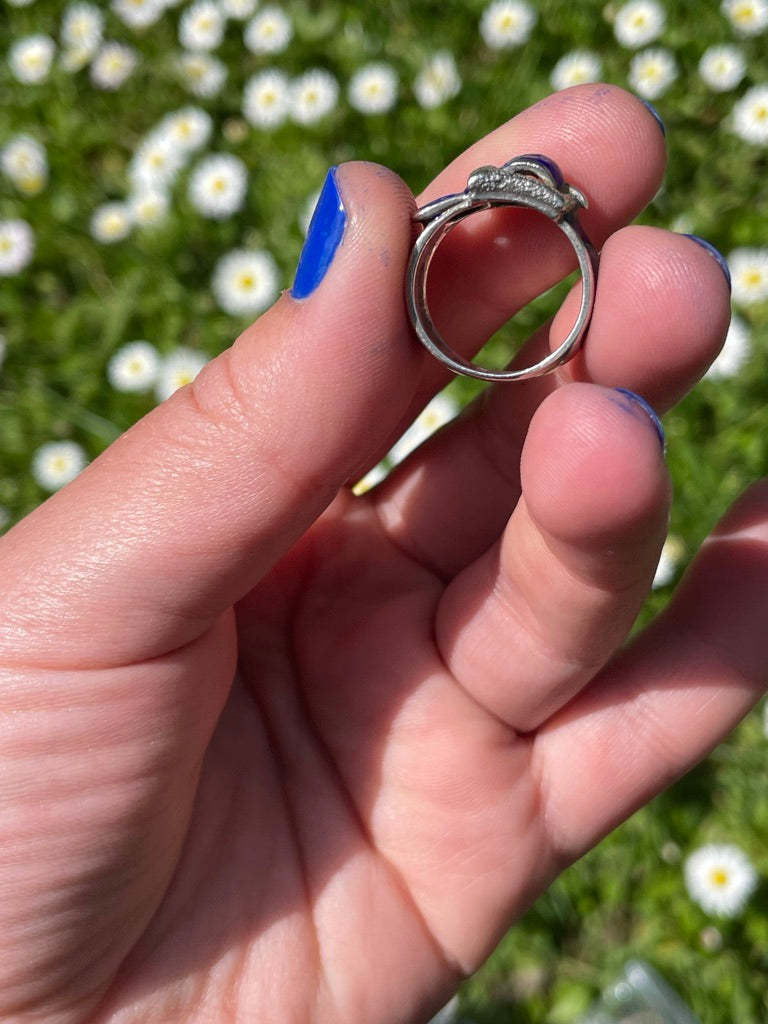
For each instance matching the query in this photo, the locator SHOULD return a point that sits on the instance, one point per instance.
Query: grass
(79, 301)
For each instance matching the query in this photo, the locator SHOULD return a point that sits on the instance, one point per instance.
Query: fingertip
(592, 468)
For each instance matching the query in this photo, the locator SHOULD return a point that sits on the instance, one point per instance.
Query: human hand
(273, 752)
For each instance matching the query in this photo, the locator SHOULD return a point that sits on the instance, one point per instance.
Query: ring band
(531, 181)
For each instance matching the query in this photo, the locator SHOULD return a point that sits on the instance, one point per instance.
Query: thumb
(183, 514)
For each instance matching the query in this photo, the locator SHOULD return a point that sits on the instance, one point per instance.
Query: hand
(272, 752)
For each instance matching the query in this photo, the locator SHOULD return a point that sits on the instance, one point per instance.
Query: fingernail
(655, 115)
(326, 230)
(718, 256)
(638, 402)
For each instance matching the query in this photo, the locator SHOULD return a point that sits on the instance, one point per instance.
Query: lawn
(158, 165)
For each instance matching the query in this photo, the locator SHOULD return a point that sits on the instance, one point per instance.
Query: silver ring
(531, 181)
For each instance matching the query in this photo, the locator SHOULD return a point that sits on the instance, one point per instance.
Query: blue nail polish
(655, 115)
(715, 253)
(324, 236)
(639, 402)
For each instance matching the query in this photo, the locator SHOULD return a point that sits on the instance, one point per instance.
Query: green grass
(79, 301)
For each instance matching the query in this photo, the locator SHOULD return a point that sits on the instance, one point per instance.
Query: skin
(273, 752)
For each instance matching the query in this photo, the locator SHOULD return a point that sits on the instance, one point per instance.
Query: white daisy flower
(202, 74)
(639, 22)
(30, 58)
(176, 370)
(148, 207)
(111, 222)
(373, 89)
(19, 3)
(82, 29)
(671, 553)
(372, 477)
(266, 99)
(17, 246)
(651, 73)
(245, 282)
(218, 185)
(238, 9)
(156, 162)
(189, 128)
(750, 116)
(722, 67)
(57, 463)
(201, 26)
(307, 210)
(312, 96)
(735, 352)
(440, 411)
(507, 23)
(24, 161)
(437, 82)
(269, 32)
(720, 878)
(749, 275)
(112, 66)
(138, 13)
(576, 68)
(748, 17)
(134, 367)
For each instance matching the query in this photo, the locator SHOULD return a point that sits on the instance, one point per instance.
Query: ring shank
(424, 249)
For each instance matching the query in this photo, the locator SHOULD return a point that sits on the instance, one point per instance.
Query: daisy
(245, 282)
(576, 68)
(748, 17)
(440, 411)
(218, 185)
(23, 160)
(368, 482)
(57, 463)
(269, 32)
(312, 96)
(507, 23)
(437, 81)
(112, 66)
(239, 9)
(735, 352)
(134, 367)
(722, 67)
(178, 369)
(148, 207)
(671, 554)
(266, 99)
(156, 162)
(189, 128)
(82, 29)
(30, 58)
(201, 26)
(749, 275)
(202, 75)
(639, 22)
(138, 13)
(750, 116)
(111, 223)
(720, 878)
(652, 72)
(373, 89)
(17, 246)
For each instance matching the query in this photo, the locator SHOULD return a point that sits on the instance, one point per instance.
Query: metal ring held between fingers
(531, 181)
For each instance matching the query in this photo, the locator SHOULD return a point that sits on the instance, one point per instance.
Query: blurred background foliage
(79, 300)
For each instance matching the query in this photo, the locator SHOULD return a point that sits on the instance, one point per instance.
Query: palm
(349, 770)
